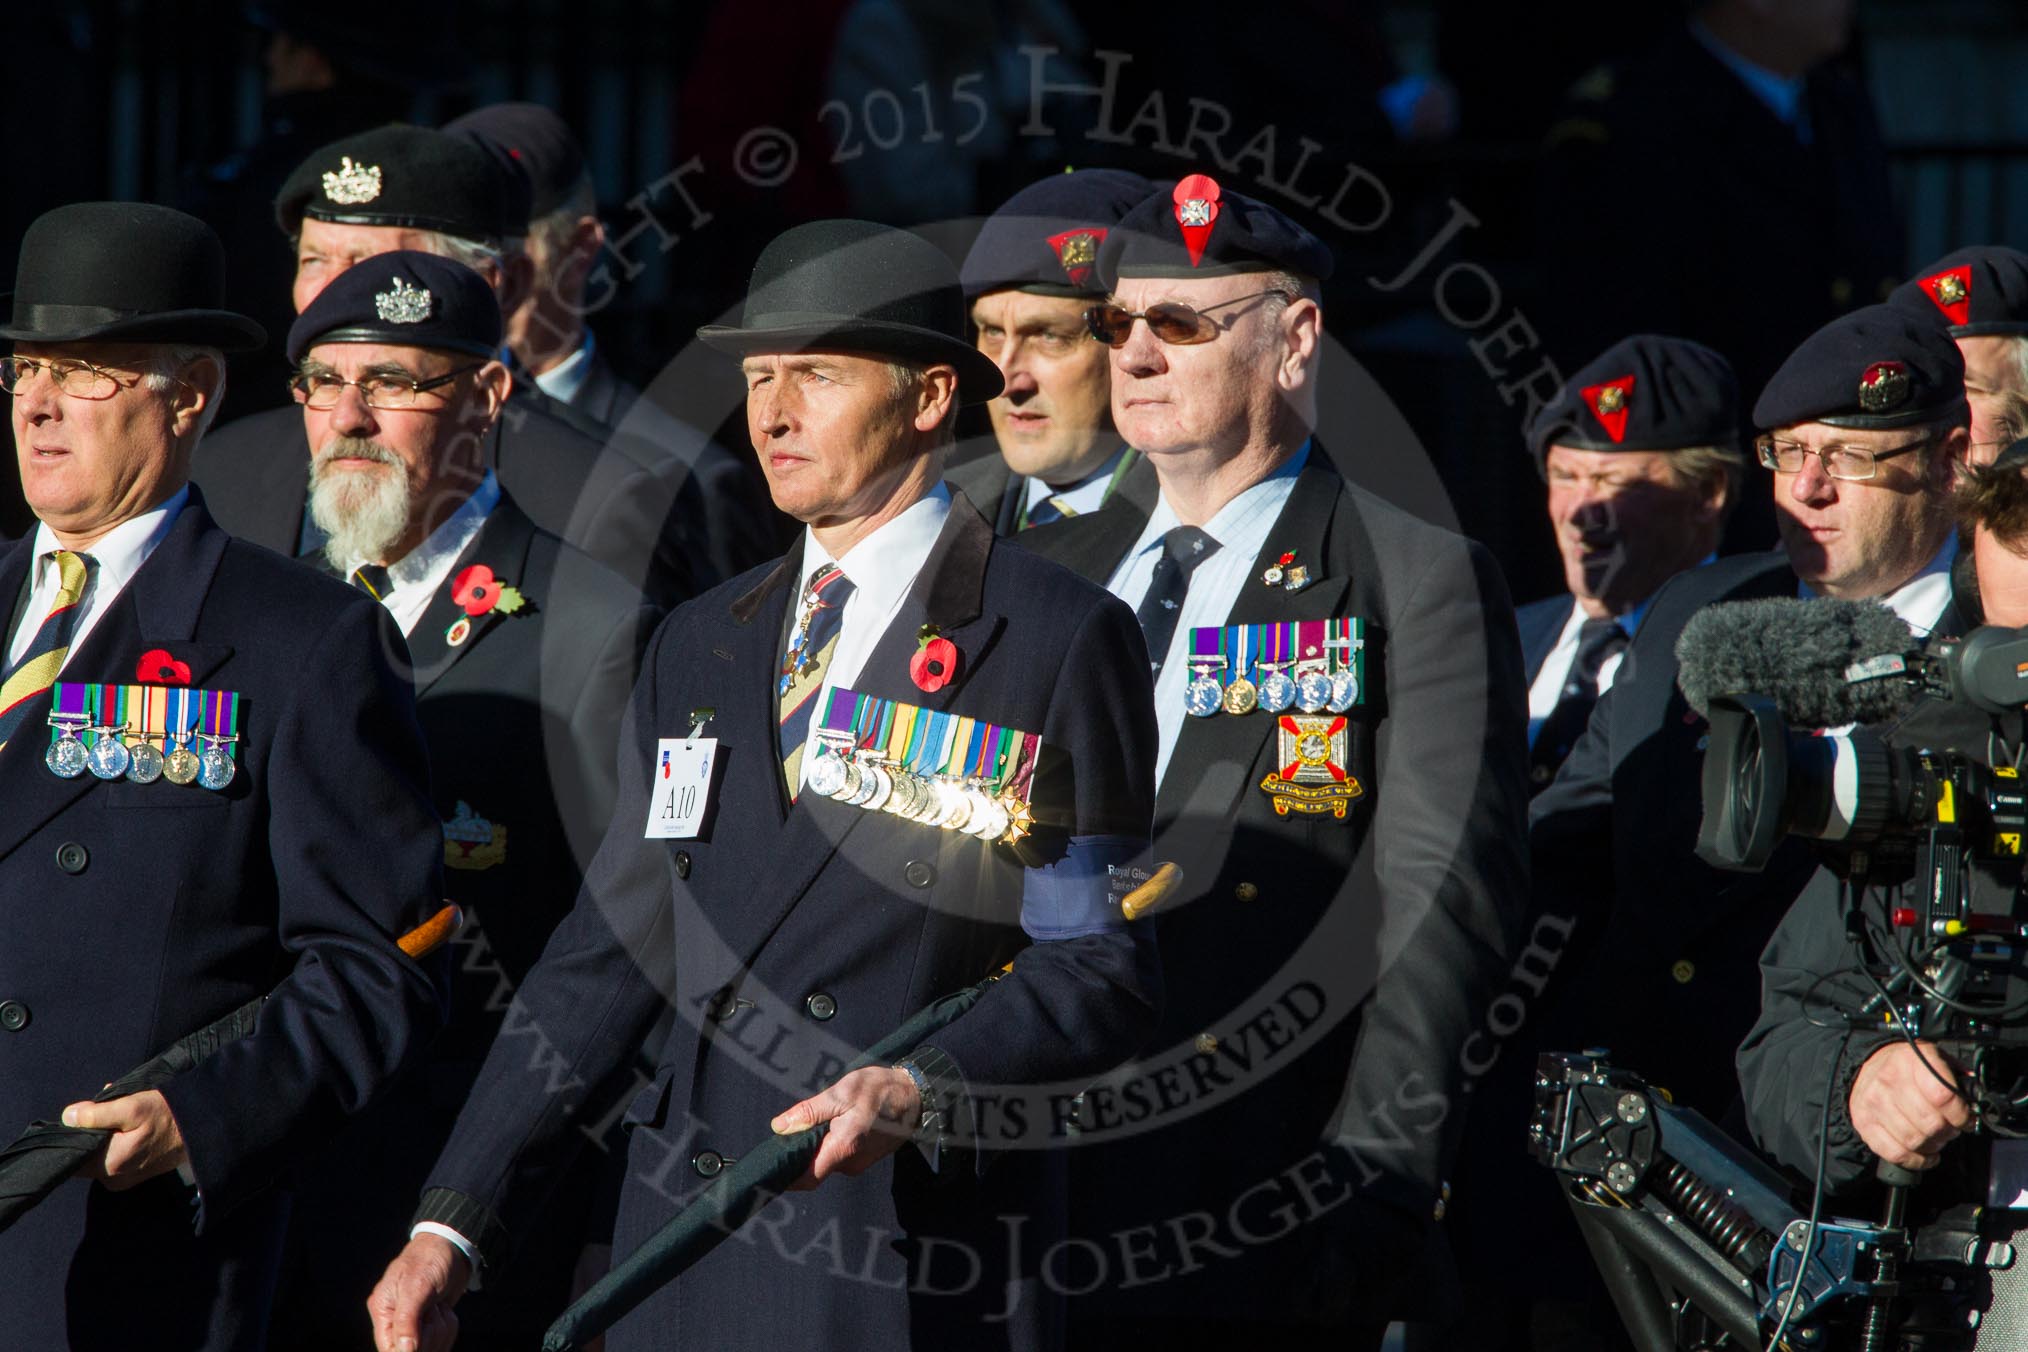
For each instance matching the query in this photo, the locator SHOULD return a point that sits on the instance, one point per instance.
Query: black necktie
(1182, 550)
(372, 579)
(1596, 641)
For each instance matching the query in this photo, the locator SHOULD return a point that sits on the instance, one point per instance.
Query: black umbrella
(764, 1172)
(46, 1155)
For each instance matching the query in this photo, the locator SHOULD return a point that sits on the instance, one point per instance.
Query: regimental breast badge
(1311, 778)
(350, 184)
(1077, 251)
(1884, 387)
(404, 304)
(471, 842)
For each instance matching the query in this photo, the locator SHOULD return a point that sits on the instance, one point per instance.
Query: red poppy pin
(935, 663)
(478, 592)
(157, 667)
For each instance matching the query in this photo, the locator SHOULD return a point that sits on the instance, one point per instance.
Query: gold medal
(1240, 696)
(181, 765)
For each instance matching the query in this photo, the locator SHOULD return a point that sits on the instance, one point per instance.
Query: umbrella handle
(434, 932)
(1154, 894)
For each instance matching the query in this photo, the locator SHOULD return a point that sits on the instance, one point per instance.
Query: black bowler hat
(853, 286)
(1195, 228)
(1046, 238)
(531, 142)
(1974, 292)
(404, 299)
(124, 272)
(1877, 367)
(415, 178)
(1644, 393)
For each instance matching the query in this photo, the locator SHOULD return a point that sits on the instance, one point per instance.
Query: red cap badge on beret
(1078, 250)
(1884, 386)
(1952, 292)
(1196, 198)
(1608, 403)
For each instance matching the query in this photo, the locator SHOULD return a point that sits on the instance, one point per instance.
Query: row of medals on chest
(112, 756)
(1311, 689)
(866, 779)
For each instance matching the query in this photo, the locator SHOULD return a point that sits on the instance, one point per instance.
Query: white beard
(362, 514)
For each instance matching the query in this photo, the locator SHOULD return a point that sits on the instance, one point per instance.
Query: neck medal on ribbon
(144, 733)
(939, 769)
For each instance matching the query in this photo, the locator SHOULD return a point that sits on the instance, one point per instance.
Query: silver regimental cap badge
(352, 183)
(404, 304)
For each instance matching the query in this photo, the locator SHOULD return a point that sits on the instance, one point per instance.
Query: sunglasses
(1169, 321)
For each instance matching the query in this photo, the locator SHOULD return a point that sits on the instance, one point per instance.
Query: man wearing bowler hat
(1029, 278)
(824, 824)
(522, 651)
(626, 503)
(1340, 704)
(216, 790)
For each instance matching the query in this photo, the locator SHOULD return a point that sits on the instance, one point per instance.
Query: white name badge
(681, 788)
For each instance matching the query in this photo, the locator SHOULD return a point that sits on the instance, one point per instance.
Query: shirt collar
(119, 553)
(563, 381)
(883, 565)
(1163, 519)
(447, 541)
(1783, 94)
(1922, 599)
(1038, 488)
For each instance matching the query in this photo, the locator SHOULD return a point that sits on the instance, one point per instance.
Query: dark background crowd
(1502, 184)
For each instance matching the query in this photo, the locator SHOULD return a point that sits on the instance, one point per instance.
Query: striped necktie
(808, 658)
(1052, 508)
(43, 658)
(372, 579)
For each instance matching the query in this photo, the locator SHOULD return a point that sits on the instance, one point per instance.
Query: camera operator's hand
(1902, 1111)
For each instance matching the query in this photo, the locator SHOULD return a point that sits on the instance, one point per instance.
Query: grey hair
(1700, 469)
(902, 378)
(172, 361)
(480, 255)
(553, 228)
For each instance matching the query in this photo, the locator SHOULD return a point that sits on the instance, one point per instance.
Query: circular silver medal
(827, 773)
(214, 768)
(1200, 697)
(1344, 691)
(1313, 692)
(109, 757)
(992, 823)
(145, 765)
(180, 765)
(1277, 691)
(883, 788)
(66, 756)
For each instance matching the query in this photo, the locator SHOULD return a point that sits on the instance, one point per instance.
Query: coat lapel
(949, 593)
(502, 545)
(158, 609)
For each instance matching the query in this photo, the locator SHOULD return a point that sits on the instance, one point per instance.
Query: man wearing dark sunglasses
(1358, 853)
(1030, 276)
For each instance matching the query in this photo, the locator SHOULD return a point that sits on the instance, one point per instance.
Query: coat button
(1206, 1043)
(723, 1005)
(821, 1005)
(1540, 774)
(683, 863)
(72, 857)
(918, 873)
(709, 1163)
(1683, 971)
(13, 1016)
(1245, 892)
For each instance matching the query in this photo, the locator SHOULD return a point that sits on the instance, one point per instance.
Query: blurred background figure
(1980, 296)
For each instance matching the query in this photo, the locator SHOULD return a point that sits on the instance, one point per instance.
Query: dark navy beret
(415, 178)
(1875, 367)
(1974, 292)
(404, 299)
(530, 142)
(1046, 238)
(1198, 229)
(1644, 393)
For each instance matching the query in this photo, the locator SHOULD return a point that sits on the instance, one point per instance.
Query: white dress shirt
(413, 579)
(562, 381)
(1241, 529)
(1547, 687)
(1086, 495)
(1922, 599)
(116, 557)
(882, 567)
